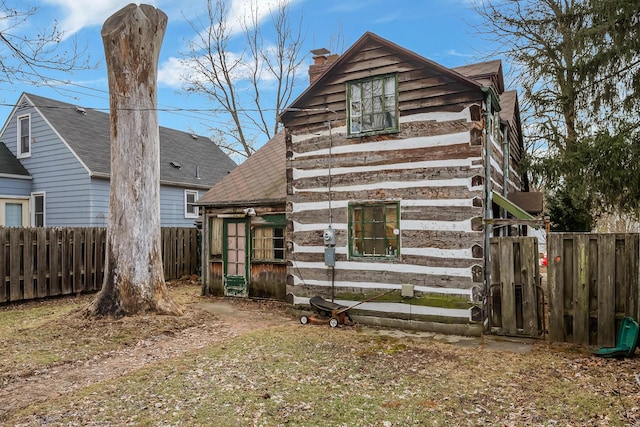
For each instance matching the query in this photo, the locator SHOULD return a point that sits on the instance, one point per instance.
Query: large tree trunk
(134, 276)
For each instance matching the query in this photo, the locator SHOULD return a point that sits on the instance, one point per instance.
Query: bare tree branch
(250, 86)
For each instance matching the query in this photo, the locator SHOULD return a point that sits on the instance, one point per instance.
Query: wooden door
(236, 258)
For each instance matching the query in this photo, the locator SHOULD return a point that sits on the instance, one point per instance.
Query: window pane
(372, 105)
(24, 135)
(13, 214)
(355, 92)
(373, 230)
(38, 211)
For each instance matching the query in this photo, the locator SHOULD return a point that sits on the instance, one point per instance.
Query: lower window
(268, 244)
(374, 230)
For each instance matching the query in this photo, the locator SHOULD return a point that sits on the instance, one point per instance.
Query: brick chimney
(321, 61)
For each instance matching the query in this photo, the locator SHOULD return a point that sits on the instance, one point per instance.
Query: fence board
(507, 288)
(42, 262)
(55, 256)
(15, 267)
(66, 258)
(581, 290)
(77, 259)
(555, 274)
(27, 264)
(529, 279)
(606, 290)
(4, 295)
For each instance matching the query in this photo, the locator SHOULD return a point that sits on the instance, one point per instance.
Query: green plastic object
(627, 340)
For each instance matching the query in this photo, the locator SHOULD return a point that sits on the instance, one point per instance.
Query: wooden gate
(516, 300)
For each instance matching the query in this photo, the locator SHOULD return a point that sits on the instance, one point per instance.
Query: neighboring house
(244, 227)
(393, 164)
(56, 163)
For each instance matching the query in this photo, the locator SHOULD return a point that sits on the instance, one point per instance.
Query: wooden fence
(593, 283)
(516, 305)
(44, 262)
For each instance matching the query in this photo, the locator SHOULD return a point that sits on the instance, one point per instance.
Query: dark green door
(236, 257)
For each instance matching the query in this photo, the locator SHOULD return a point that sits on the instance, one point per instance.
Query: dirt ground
(217, 320)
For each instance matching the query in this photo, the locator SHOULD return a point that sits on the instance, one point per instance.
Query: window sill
(373, 258)
(268, 261)
(372, 133)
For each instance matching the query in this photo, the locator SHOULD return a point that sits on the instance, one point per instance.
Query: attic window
(81, 111)
(373, 105)
(176, 165)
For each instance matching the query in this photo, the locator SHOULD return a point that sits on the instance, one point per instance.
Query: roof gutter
(244, 204)
(12, 176)
(102, 175)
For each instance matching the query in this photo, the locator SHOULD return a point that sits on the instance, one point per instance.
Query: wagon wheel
(304, 319)
(333, 322)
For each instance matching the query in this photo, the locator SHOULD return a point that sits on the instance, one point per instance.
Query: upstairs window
(374, 230)
(24, 136)
(190, 209)
(373, 105)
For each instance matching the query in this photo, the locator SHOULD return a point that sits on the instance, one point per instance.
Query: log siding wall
(433, 167)
(430, 167)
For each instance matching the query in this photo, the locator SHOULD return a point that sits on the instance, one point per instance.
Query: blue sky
(441, 30)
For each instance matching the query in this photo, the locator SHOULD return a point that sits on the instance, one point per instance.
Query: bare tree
(26, 57)
(134, 277)
(259, 68)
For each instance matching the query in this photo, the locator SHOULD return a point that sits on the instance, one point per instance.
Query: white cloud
(77, 15)
(170, 73)
(453, 52)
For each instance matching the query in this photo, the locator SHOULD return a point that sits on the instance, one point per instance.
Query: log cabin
(394, 163)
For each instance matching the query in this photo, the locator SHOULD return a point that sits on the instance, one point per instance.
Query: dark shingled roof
(9, 165)
(259, 180)
(88, 136)
(488, 73)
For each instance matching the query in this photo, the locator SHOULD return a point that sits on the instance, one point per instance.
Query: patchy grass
(41, 334)
(299, 375)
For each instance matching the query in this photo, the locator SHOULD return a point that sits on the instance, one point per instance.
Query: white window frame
(188, 214)
(20, 153)
(44, 208)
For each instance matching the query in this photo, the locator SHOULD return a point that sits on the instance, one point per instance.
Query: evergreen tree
(577, 65)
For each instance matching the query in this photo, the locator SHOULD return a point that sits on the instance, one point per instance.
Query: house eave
(102, 175)
(242, 203)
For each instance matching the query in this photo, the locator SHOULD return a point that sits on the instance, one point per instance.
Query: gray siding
(55, 171)
(172, 207)
(15, 187)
